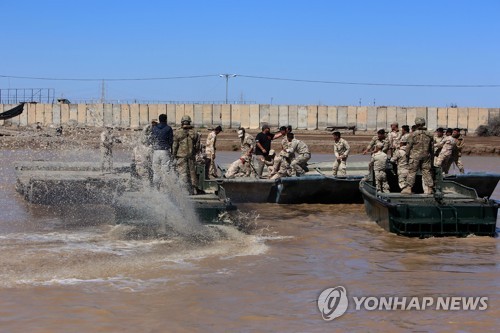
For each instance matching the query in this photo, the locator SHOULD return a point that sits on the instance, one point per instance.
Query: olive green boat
(454, 210)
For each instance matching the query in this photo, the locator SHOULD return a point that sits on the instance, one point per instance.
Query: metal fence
(18, 95)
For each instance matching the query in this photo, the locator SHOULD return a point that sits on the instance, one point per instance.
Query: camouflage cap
(419, 121)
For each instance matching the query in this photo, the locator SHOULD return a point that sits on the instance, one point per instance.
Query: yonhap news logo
(333, 303)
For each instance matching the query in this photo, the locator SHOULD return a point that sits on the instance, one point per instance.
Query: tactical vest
(188, 142)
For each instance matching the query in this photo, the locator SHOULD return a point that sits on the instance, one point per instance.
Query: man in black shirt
(263, 146)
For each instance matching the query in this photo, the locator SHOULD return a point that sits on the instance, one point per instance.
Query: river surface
(70, 270)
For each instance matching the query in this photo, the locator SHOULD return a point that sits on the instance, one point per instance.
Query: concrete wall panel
(125, 115)
(362, 118)
(134, 116)
(82, 114)
(23, 118)
(442, 117)
(432, 122)
(322, 117)
(198, 115)
(352, 114)
(226, 115)
(422, 112)
(483, 116)
(452, 117)
(381, 117)
(312, 117)
(293, 116)
(264, 114)
(179, 113)
(332, 116)
(283, 115)
(171, 115)
(65, 113)
(372, 118)
(274, 119)
(302, 117)
(107, 114)
(391, 115)
(153, 112)
(245, 115)
(411, 114)
(207, 115)
(216, 114)
(401, 116)
(473, 119)
(48, 115)
(462, 117)
(254, 116)
(56, 114)
(236, 116)
(162, 109)
(341, 115)
(493, 113)
(116, 111)
(189, 111)
(39, 113)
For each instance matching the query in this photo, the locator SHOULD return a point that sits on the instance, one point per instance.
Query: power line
(263, 78)
(374, 84)
(108, 79)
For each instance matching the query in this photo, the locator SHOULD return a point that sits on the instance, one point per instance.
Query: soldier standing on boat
(143, 154)
(378, 164)
(106, 147)
(394, 137)
(185, 148)
(400, 159)
(161, 141)
(298, 147)
(456, 156)
(341, 151)
(420, 154)
(282, 160)
(446, 146)
(210, 149)
(379, 138)
(247, 142)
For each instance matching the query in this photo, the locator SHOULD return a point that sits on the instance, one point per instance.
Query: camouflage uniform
(185, 148)
(303, 155)
(436, 142)
(247, 144)
(282, 169)
(210, 152)
(106, 147)
(341, 151)
(143, 155)
(239, 168)
(446, 148)
(419, 152)
(378, 162)
(375, 140)
(399, 157)
(456, 156)
(394, 137)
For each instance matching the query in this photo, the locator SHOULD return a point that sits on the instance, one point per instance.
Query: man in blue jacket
(162, 138)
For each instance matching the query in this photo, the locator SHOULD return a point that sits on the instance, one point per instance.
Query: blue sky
(384, 42)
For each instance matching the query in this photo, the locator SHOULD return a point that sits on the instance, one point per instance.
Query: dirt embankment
(318, 141)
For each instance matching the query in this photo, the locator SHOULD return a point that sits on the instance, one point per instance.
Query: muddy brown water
(68, 270)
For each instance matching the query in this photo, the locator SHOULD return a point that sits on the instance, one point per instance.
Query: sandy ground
(318, 141)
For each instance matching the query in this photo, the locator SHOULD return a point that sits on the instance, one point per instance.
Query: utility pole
(103, 93)
(227, 76)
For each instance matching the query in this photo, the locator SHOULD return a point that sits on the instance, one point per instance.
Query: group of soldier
(414, 151)
(162, 150)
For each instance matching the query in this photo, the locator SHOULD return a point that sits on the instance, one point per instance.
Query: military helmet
(419, 121)
(185, 119)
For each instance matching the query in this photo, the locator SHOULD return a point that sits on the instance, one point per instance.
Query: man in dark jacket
(162, 138)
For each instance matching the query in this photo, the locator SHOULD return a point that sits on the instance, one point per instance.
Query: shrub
(492, 129)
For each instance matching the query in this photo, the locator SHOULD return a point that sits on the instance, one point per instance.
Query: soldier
(420, 156)
(438, 137)
(106, 147)
(263, 146)
(239, 168)
(278, 160)
(446, 146)
(456, 156)
(400, 159)
(405, 132)
(299, 163)
(185, 148)
(247, 142)
(378, 162)
(394, 137)
(380, 137)
(210, 150)
(283, 169)
(161, 141)
(341, 151)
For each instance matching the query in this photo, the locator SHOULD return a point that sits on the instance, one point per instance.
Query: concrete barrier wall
(310, 117)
